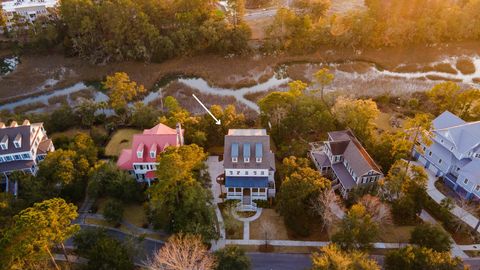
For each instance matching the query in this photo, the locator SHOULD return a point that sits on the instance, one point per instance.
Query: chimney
(14, 124)
(26, 122)
(2, 125)
(179, 134)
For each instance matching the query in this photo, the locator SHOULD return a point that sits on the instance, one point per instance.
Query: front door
(247, 199)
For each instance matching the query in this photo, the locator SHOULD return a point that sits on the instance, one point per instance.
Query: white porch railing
(246, 207)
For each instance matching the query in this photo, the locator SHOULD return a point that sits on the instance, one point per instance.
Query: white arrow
(217, 121)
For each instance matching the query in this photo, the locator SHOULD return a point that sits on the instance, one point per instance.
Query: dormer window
(153, 151)
(246, 152)
(234, 152)
(18, 141)
(4, 143)
(258, 153)
(140, 150)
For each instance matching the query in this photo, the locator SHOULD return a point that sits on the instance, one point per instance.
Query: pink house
(141, 159)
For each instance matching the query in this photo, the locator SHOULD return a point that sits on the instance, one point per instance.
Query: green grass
(135, 214)
(122, 139)
(395, 234)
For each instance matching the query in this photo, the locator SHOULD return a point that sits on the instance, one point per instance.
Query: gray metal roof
(11, 133)
(343, 176)
(358, 158)
(465, 136)
(248, 138)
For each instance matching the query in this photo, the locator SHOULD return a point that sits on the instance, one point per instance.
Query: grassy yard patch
(395, 234)
(215, 150)
(279, 231)
(233, 227)
(383, 122)
(120, 140)
(277, 226)
(135, 214)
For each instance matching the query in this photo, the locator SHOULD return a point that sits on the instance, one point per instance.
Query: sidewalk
(292, 243)
(437, 196)
(215, 168)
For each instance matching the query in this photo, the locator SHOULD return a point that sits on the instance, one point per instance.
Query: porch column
(8, 181)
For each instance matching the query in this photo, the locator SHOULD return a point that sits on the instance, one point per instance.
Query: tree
(379, 211)
(332, 258)
(107, 180)
(431, 236)
(358, 115)
(144, 115)
(323, 77)
(413, 258)
(232, 257)
(298, 189)
(102, 251)
(356, 230)
(267, 230)
(121, 91)
(416, 131)
(113, 212)
(180, 201)
(314, 8)
(35, 230)
(444, 96)
(183, 251)
(85, 111)
(406, 190)
(237, 11)
(324, 205)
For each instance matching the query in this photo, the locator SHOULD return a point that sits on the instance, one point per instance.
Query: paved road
(279, 261)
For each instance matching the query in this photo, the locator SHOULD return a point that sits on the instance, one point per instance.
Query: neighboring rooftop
(465, 136)
(150, 143)
(353, 151)
(10, 6)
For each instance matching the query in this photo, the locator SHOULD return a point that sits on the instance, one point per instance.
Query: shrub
(113, 212)
(431, 236)
(232, 257)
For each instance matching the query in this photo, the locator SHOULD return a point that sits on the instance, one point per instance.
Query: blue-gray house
(454, 154)
(249, 167)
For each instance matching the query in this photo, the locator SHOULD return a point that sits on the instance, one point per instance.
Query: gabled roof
(238, 143)
(463, 135)
(358, 158)
(155, 139)
(472, 170)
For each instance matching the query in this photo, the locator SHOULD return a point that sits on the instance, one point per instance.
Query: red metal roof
(154, 140)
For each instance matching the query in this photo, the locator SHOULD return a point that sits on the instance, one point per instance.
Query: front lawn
(233, 227)
(122, 139)
(133, 213)
(395, 234)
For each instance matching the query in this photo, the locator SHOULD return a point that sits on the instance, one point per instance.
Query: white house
(249, 167)
(29, 10)
(454, 154)
(22, 147)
